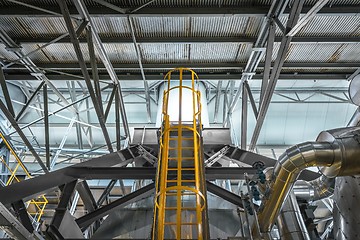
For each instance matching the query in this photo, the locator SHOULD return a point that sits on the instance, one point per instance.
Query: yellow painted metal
(171, 160)
(36, 206)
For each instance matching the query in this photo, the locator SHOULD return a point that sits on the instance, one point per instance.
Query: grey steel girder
(36, 186)
(94, 11)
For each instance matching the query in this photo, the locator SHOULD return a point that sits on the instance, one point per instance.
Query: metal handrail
(39, 204)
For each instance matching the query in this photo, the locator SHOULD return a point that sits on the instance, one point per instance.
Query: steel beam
(135, 196)
(307, 18)
(217, 100)
(71, 90)
(185, 40)
(47, 127)
(95, 11)
(60, 219)
(51, 113)
(205, 76)
(279, 62)
(117, 121)
(94, 70)
(111, 99)
(224, 66)
(224, 194)
(75, 41)
(29, 101)
(251, 98)
(12, 226)
(106, 192)
(86, 196)
(6, 92)
(22, 136)
(66, 194)
(276, 8)
(268, 58)
(82, 9)
(62, 143)
(244, 117)
(36, 186)
(138, 54)
(22, 215)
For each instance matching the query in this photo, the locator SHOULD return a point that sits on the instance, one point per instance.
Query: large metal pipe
(336, 151)
(314, 190)
(290, 222)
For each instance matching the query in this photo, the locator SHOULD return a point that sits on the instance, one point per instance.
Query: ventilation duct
(335, 151)
(314, 190)
(290, 222)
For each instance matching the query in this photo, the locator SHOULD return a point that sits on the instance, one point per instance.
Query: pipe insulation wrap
(336, 152)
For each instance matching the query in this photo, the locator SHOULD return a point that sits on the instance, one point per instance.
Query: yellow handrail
(175, 187)
(38, 205)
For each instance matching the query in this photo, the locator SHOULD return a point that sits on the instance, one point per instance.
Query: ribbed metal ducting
(336, 151)
(290, 222)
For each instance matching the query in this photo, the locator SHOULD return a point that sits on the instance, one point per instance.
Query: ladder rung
(183, 138)
(183, 223)
(182, 194)
(182, 169)
(180, 181)
(183, 158)
(183, 148)
(182, 209)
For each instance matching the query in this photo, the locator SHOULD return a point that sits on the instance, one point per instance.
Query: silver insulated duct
(290, 222)
(336, 153)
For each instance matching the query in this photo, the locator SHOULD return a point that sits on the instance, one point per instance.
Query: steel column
(94, 69)
(104, 58)
(138, 54)
(268, 58)
(46, 123)
(284, 46)
(251, 98)
(244, 116)
(277, 7)
(22, 214)
(86, 196)
(217, 100)
(76, 44)
(6, 92)
(61, 210)
(111, 99)
(117, 121)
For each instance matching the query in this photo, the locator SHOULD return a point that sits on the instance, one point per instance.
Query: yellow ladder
(35, 206)
(180, 201)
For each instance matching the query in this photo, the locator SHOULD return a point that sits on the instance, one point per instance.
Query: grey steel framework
(77, 76)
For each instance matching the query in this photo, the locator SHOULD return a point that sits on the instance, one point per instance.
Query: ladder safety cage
(180, 199)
